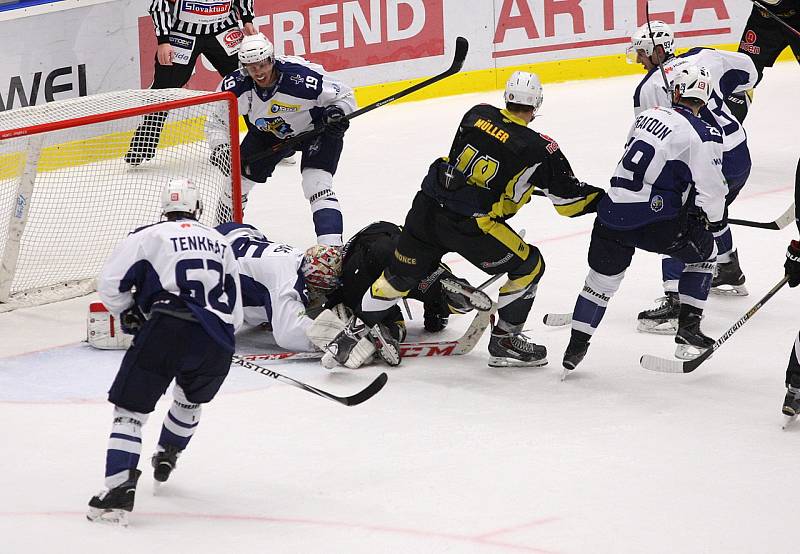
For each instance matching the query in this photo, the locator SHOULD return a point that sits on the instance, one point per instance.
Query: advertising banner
(79, 47)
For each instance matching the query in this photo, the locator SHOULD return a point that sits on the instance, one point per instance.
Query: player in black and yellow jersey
(493, 167)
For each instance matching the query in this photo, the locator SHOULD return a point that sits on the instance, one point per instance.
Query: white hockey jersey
(273, 290)
(731, 72)
(184, 258)
(669, 153)
(291, 107)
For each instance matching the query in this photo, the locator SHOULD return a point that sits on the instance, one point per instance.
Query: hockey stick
(359, 397)
(786, 219)
(788, 27)
(654, 363)
(462, 47)
(653, 40)
(458, 347)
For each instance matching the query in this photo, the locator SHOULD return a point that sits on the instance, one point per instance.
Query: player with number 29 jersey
(669, 154)
(183, 258)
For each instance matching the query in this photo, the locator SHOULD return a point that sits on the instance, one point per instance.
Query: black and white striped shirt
(198, 17)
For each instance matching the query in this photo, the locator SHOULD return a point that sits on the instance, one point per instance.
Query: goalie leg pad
(103, 330)
(325, 328)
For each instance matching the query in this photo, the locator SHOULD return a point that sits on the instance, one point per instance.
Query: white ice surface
(451, 456)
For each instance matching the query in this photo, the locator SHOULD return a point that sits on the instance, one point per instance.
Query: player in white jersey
(279, 281)
(667, 195)
(175, 285)
(733, 76)
(280, 98)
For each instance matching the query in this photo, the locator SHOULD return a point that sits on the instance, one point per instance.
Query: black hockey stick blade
(362, 396)
(462, 47)
(655, 363)
(786, 219)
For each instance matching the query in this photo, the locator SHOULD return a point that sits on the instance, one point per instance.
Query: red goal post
(70, 191)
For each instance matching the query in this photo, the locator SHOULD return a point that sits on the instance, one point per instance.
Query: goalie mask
(181, 196)
(322, 266)
(642, 40)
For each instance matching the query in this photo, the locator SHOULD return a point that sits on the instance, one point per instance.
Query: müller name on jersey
(197, 243)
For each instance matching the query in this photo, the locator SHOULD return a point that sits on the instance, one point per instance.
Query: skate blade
(117, 518)
(668, 327)
(477, 298)
(495, 361)
(688, 352)
(787, 421)
(565, 373)
(730, 290)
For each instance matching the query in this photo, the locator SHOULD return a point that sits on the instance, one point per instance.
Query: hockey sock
(695, 283)
(590, 307)
(793, 370)
(724, 240)
(379, 299)
(124, 446)
(671, 269)
(325, 210)
(180, 422)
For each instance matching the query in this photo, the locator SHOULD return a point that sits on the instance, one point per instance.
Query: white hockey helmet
(646, 38)
(692, 81)
(322, 267)
(181, 195)
(256, 48)
(524, 88)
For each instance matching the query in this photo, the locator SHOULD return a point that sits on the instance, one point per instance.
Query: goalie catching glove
(221, 158)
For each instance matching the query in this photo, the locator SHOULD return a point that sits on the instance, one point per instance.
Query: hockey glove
(713, 226)
(221, 158)
(792, 265)
(335, 121)
(131, 320)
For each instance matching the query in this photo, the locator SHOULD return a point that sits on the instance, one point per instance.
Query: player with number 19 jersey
(183, 259)
(670, 156)
(295, 103)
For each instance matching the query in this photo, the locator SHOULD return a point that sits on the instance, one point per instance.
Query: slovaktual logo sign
(339, 34)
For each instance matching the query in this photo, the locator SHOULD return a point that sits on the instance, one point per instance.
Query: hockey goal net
(76, 176)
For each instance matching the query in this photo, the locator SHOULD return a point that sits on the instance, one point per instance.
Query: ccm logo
(422, 349)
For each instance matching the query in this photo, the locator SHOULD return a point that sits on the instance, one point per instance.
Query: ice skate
(476, 298)
(288, 160)
(791, 404)
(164, 461)
(113, 506)
(387, 343)
(136, 155)
(690, 339)
(574, 354)
(663, 319)
(728, 278)
(514, 350)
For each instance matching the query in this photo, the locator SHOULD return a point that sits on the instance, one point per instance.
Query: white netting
(86, 186)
